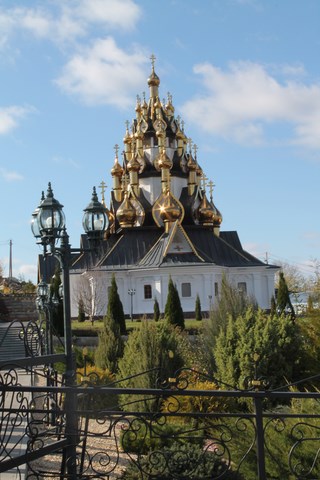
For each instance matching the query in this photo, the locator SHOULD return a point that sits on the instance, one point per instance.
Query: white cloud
(27, 272)
(10, 176)
(69, 19)
(122, 14)
(10, 116)
(240, 104)
(104, 74)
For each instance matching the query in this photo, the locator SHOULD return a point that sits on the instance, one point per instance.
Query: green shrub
(183, 461)
(142, 436)
(151, 356)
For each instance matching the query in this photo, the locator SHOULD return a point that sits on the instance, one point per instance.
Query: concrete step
(11, 345)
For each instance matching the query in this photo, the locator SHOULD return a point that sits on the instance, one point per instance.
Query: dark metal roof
(225, 250)
(146, 248)
(131, 246)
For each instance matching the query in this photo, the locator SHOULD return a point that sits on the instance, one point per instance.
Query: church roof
(161, 210)
(151, 248)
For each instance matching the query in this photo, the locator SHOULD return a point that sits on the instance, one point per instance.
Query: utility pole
(10, 258)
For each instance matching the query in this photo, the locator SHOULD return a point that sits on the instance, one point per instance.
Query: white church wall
(205, 281)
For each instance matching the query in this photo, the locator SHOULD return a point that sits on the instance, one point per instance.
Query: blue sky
(244, 76)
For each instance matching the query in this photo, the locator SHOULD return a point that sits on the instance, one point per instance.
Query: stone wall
(18, 308)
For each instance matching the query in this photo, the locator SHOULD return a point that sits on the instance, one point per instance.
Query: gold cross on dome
(153, 59)
(204, 181)
(116, 149)
(195, 149)
(211, 186)
(190, 144)
(103, 187)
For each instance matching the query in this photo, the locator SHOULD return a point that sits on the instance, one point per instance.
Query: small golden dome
(164, 160)
(169, 106)
(133, 165)
(153, 80)
(127, 138)
(170, 211)
(206, 213)
(217, 217)
(117, 170)
(126, 213)
(157, 103)
(192, 164)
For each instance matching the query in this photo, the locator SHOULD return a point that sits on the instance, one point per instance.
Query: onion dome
(153, 80)
(164, 160)
(217, 217)
(206, 213)
(169, 107)
(127, 138)
(133, 165)
(116, 170)
(126, 213)
(170, 211)
(144, 104)
(192, 164)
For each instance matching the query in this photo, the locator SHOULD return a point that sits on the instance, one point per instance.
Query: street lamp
(131, 292)
(49, 227)
(95, 219)
(210, 302)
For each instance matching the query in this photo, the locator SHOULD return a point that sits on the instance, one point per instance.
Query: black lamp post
(131, 292)
(48, 226)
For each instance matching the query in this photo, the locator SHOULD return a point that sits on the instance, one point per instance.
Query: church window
(216, 289)
(242, 287)
(147, 291)
(186, 289)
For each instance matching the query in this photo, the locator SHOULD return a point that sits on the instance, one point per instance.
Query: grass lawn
(86, 329)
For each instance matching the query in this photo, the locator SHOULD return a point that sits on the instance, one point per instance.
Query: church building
(163, 222)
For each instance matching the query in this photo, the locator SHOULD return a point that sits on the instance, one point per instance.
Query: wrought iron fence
(171, 431)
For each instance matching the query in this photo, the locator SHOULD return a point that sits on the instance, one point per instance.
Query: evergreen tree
(231, 303)
(198, 313)
(152, 354)
(276, 341)
(57, 313)
(81, 312)
(156, 310)
(115, 308)
(273, 307)
(110, 346)
(173, 311)
(283, 297)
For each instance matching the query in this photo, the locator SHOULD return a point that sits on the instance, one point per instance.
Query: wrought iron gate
(169, 432)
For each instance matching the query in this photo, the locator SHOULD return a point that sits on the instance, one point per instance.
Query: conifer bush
(156, 310)
(115, 308)
(152, 355)
(198, 313)
(173, 311)
(110, 346)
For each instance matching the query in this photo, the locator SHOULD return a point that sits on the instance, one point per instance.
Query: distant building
(163, 222)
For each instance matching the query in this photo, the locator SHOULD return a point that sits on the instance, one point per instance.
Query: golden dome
(169, 106)
(133, 165)
(170, 210)
(127, 138)
(206, 213)
(126, 213)
(117, 170)
(164, 160)
(192, 165)
(217, 217)
(153, 80)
